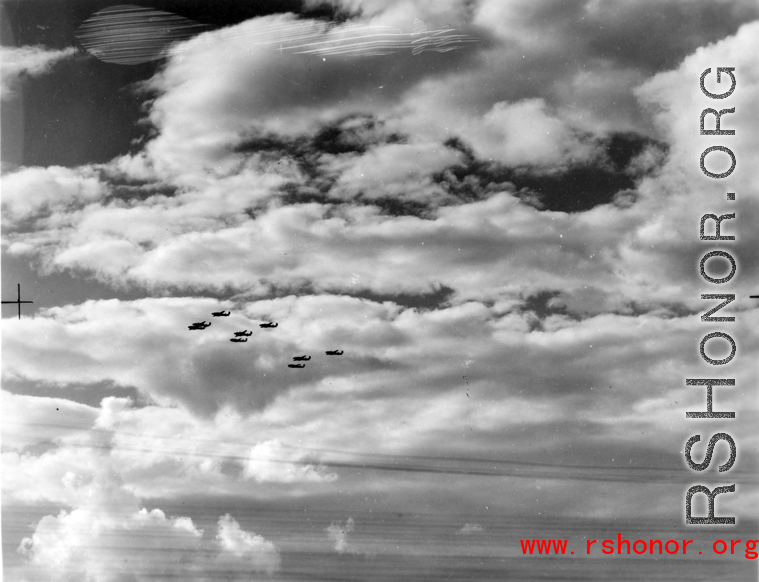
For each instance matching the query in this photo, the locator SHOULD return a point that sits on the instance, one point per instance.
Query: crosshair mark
(18, 301)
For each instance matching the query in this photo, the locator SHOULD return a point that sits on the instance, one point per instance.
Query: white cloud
(470, 528)
(271, 462)
(205, 236)
(31, 191)
(416, 381)
(389, 170)
(26, 60)
(242, 552)
(338, 533)
(108, 537)
(527, 133)
(31, 420)
(586, 375)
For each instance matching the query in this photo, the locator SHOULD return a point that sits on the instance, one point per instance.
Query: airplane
(220, 313)
(199, 325)
(296, 365)
(334, 352)
(238, 339)
(244, 333)
(270, 324)
(301, 358)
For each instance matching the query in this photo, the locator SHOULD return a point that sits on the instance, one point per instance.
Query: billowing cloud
(503, 242)
(243, 553)
(15, 62)
(526, 133)
(327, 214)
(338, 533)
(270, 461)
(34, 192)
(107, 536)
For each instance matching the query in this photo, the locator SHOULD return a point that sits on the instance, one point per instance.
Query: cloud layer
(32, 61)
(502, 240)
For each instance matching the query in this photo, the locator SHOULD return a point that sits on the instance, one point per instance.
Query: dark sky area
(85, 110)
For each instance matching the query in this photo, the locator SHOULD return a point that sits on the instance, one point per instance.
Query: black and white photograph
(380, 290)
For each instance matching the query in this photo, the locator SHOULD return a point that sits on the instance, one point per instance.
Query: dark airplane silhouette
(199, 325)
(238, 339)
(270, 324)
(244, 333)
(296, 365)
(301, 358)
(220, 313)
(334, 352)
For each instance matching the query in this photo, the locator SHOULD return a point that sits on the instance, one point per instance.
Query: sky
(490, 207)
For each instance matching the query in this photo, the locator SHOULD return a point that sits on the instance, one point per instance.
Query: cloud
(342, 249)
(318, 199)
(157, 450)
(256, 89)
(32, 61)
(35, 192)
(470, 528)
(271, 462)
(242, 552)
(338, 533)
(526, 133)
(371, 197)
(107, 536)
(29, 421)
(388, 170)
(449, 361)
(684, 194)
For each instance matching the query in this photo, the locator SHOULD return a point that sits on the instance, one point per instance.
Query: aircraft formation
(242, 337)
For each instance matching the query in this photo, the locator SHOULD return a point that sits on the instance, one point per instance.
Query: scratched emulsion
(131, 35)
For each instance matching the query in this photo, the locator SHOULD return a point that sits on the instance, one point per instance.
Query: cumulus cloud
(411, 225)
(338, 533)
(157, 450)
(348, 237)
(684, 194)
(15, 62)
(349, 250)
(270, 461)
(441, 356)
(243, 553)
(35, 191)
(327, 213)
(107, 536)
(258, 90)
(526, 133)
